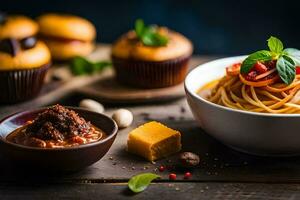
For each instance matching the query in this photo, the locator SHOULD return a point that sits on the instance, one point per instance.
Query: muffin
(67, 36)
(141, 65)
(17, 26)
(24, 60)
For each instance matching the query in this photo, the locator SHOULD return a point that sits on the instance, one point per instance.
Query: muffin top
(17, 26)
(129, 46)
(66, 26)
(14, 57)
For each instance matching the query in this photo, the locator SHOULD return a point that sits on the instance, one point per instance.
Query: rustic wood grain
(218, 162)
(222, 174)
(166, 191)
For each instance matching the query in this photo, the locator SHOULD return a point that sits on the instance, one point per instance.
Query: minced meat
(57, 123)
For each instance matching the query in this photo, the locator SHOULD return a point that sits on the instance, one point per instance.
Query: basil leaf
(294, 54)
(140, 182)
(98, 66)
(262, 55)
(149, 35)
(154, 39)
(286, 69)
(81, 66)
(275, 45)
(139, 27)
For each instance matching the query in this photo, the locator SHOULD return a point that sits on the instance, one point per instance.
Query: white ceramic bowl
(254, 133)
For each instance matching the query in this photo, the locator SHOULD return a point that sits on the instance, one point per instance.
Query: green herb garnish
(248, 63)
(81, 66)
(287, 59)
(140, 182)
(149, 35)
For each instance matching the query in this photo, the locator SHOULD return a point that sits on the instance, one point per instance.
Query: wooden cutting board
(107, 89)
(101, 87)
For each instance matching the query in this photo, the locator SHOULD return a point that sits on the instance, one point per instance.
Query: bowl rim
(216, 106)
(99, 142)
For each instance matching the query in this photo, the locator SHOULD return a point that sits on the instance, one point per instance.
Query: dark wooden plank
(218, 162)
(166, 191)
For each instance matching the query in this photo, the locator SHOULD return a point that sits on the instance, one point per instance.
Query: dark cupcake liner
(21, 85)
(146, 74)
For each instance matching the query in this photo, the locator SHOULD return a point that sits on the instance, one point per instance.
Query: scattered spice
(182, 110)
(171, 118)
(111, 158)
(177, 188)
(145, 114)
(133, 168)
(187, 175)
(189, 159)
(170, 167)
(172, 176)
(147, 119)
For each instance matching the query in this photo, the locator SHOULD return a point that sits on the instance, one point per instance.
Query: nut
(92, 105)
(189, 159)
(123, 118)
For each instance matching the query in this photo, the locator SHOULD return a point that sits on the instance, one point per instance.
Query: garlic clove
(92, 105)
(123, 118)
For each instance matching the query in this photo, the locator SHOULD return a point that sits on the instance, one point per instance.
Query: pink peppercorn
(161, 168)
(172, 176)
(187, 175)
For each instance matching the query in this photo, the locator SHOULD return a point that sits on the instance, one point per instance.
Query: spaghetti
(260, 90)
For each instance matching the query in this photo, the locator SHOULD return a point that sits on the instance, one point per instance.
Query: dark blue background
(227, 27)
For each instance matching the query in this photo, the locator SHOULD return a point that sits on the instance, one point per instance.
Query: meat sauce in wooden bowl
(56, 127)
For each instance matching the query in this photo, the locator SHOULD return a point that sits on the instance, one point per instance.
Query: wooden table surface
(222, 174)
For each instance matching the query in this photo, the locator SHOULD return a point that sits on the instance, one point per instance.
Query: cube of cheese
(153, 141)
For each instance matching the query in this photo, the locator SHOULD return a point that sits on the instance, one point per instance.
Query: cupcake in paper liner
(24, 60)
(140, 64)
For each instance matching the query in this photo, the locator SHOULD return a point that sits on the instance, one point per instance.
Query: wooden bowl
(58, 159)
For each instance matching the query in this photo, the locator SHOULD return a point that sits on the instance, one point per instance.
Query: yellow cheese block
(153, 141)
